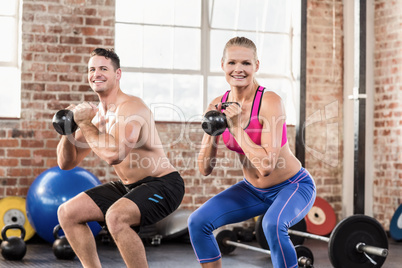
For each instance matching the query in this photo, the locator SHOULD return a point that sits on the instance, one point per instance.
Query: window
(10, 75)
(170, 50)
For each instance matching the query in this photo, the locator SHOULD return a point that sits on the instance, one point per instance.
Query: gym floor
(175, 253)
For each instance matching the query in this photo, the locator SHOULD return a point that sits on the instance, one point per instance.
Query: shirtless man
(120, 130)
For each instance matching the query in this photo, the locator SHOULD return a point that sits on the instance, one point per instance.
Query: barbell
(358, 241)
(227, 242)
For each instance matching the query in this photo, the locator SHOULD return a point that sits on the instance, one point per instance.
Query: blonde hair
(241, 42)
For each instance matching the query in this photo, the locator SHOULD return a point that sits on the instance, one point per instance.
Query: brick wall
(57, 36)
(324, 117)
(387, 109)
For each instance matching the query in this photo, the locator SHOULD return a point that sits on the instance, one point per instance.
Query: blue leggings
(284, 205)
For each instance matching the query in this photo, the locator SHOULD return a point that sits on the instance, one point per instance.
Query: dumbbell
(214, 122)
(63, 122)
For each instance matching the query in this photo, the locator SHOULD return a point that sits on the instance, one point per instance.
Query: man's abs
(140, 164)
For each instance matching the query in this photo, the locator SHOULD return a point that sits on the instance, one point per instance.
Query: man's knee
(116, 220)
(64, 214)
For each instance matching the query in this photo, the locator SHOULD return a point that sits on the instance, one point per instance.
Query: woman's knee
(273, 229)
(198, 222)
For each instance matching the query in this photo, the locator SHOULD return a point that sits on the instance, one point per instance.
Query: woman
(274, 182)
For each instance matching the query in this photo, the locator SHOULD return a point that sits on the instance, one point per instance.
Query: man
(121, 131)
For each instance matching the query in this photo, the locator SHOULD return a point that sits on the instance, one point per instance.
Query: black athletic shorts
(155, 197)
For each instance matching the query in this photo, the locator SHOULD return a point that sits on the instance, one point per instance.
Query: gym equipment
(244, 234)
(227, 242)
(174, 225)
(357, 241)
(12, 211)
(49, 190)
(296, 240)
(321, 218)
(13, 247)
(214, 122)
(63, 122)
(61, 248)
(395, 227)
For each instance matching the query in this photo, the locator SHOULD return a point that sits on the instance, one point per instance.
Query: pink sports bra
(253, 129)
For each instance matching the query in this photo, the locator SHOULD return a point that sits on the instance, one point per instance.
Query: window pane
(160, 12)
(286, 90)
(7, 32)
(274, 54)
(157, 94)
(187, 96)
(273, 50)
(131, 83)
(217, 86)
(128, 44)
(277, 18)
(187, 48)
(10, 104)
(251, 15)
(223, 14)
(218, 41)
(8, 8)
(188, 13)
(158, 47)
(130, 11)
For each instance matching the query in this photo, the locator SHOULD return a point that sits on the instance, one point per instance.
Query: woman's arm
(209, 145)
(272, 116)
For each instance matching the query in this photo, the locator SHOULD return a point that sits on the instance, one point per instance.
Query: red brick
(71, 40)
(9, 162)
(9, 142)
(93, 21)
(93, 41)
(71, 58)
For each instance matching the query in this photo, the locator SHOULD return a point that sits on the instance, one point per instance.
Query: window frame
(15, 62)
(205, 67)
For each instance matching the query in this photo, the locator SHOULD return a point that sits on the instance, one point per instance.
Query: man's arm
(71, 150)
(114, 145)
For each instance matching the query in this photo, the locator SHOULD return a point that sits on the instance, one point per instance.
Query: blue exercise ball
(49, 190)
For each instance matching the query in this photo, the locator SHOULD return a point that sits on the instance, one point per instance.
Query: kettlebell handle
(56, 230)
(226, 104)
(12, 226)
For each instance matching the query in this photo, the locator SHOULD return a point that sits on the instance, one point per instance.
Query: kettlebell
(61, 248)
(63, 122)
(13, 248)
(214, 122)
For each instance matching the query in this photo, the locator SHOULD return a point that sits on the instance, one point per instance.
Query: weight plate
(223, 236)
(303, 251)
(296, 240)
(321, 218)
(347, 234)
(395, 227)
(12, 211)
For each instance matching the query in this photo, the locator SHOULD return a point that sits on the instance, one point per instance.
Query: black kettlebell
(214, 122)
(61, 248)
(63, 122)
(13, 248)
